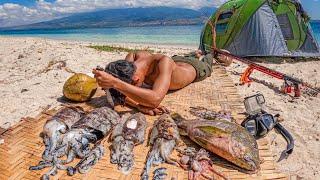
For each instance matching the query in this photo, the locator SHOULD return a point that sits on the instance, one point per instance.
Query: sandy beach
(33, 71)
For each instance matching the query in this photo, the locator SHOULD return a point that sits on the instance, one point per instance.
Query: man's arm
(147, 110)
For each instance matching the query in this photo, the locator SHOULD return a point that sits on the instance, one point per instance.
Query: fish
(223, 138)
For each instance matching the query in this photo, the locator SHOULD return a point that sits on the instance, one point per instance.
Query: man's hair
(121, 69)
(124, 71)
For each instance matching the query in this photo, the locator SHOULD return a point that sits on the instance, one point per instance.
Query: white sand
(26, 73)
(301, 116)
(27, 86)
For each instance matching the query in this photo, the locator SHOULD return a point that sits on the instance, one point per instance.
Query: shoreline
(124, 44)
(108, 41)
(32, 77)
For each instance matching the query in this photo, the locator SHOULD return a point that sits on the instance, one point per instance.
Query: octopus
(204, 113)
(198, 164)
(164, 138)
(84, 134)
(88, 161)
(160, 174)
(125, 136)
(54, 130)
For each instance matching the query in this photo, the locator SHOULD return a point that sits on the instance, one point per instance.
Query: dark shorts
(203, 67)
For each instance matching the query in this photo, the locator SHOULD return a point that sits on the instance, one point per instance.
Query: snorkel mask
(258, 123)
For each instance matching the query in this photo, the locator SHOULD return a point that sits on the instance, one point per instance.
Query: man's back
(182, 73)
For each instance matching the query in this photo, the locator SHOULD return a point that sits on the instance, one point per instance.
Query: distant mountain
(126, 17)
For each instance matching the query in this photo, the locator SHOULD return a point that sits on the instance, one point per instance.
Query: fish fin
(213, 130)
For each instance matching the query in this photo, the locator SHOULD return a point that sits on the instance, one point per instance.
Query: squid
(129, 133)
(163, 139)
(84, 134)
(54, 130)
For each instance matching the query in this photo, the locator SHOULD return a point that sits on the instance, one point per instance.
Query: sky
(19, 12)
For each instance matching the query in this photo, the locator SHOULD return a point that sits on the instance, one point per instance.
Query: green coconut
(80, 87)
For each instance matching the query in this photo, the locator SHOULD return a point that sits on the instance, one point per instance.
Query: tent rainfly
(261, 28)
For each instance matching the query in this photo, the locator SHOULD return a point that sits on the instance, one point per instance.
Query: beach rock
(20, 56)
(24, 90)
(6, 125)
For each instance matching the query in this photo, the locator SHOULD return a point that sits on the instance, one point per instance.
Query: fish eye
(247, 157)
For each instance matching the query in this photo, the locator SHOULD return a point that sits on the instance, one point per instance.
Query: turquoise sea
(178, 35)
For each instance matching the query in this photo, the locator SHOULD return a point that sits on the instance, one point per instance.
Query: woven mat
(23, 146)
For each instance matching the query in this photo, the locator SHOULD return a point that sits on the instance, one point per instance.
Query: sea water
(180, 35)
(316, 30)
(176, 35)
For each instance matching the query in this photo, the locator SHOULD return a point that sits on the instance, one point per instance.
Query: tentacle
(61, 167)
(85, 166)
(41, 165)
(171, 161)
(46, 155)
(80, 149)
(52, 171)
(183, 166)
(160, 174)
(207, 176)
(217, 173)
(126, 162)
(149, 163)
(70, 157)
(45, 177)
(58, 163)
(166, 150)
(90, 160)
(61, 150)
(191, 175)
(71, 171)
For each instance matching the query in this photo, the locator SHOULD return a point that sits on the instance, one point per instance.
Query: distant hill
(126, 17)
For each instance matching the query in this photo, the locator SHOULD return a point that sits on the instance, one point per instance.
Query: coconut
(80, 87)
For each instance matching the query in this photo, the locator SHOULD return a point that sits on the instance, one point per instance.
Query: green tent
(261, 28)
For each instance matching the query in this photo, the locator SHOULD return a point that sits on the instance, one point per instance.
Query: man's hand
(224, 61)
(104, 79)
(153, 112)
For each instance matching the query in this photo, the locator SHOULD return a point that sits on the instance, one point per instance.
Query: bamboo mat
(23, 146)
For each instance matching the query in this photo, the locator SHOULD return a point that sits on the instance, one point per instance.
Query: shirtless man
(161, 73)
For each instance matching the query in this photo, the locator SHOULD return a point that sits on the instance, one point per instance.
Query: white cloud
(15, 14)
